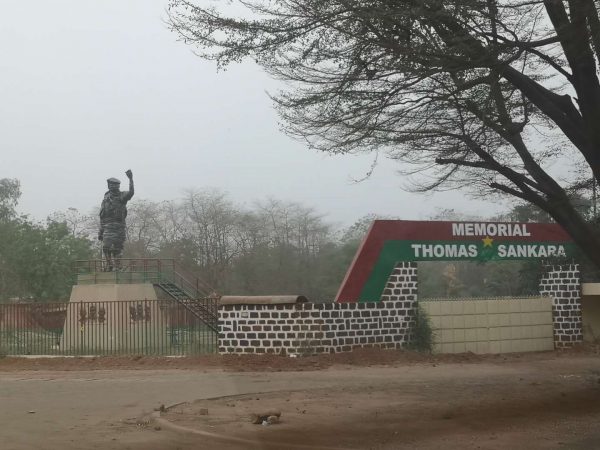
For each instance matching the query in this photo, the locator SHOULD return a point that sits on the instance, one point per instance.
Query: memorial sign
(391, 241)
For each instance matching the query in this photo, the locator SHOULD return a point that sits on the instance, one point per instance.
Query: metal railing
(149, 269)
(144, 327)
(156, 271)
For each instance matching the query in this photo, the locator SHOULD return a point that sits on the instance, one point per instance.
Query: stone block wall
(402, 284)
(562, 284)
(308, 329)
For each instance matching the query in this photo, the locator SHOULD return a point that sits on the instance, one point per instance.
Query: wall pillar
(562, 283)
(401, 290)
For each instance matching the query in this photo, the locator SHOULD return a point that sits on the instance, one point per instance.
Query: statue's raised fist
(129, 174)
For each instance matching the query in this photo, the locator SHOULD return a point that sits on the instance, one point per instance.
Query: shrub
(422, 338)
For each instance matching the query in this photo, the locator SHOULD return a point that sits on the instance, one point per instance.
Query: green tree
(36, 261)
(45, 258)
(480, 94)
(10, 192)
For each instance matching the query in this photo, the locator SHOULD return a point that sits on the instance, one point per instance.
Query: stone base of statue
(117, 313)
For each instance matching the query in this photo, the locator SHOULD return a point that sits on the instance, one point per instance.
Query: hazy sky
(92, 88)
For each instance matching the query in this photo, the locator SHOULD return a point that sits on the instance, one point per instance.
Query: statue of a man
(112, 221)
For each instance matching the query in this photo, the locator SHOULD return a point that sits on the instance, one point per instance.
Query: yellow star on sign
(487, 241)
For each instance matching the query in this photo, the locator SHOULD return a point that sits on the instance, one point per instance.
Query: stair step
(200, 311)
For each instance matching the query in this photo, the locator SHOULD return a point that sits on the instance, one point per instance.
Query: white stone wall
(491, 325)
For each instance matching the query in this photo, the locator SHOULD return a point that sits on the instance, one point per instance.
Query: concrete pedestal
(115, 318)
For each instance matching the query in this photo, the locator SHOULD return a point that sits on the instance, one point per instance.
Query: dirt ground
(368, 399)
(362, 357)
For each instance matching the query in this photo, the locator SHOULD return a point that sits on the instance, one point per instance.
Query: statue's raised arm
(128, 194)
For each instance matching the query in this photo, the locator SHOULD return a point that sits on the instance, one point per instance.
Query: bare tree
(78, 224)
(142, 235)
(478, 94)
(285, 250)
(210, 223)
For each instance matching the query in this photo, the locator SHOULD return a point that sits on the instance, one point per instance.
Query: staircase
(203, 309)
(186, 289)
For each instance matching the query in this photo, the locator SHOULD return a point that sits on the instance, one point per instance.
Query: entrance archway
(384, 268)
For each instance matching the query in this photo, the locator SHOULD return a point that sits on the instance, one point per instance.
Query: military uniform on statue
(113, 213)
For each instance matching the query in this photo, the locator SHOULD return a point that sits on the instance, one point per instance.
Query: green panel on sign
(481, 250)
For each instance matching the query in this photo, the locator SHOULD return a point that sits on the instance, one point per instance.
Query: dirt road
(542, 401)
